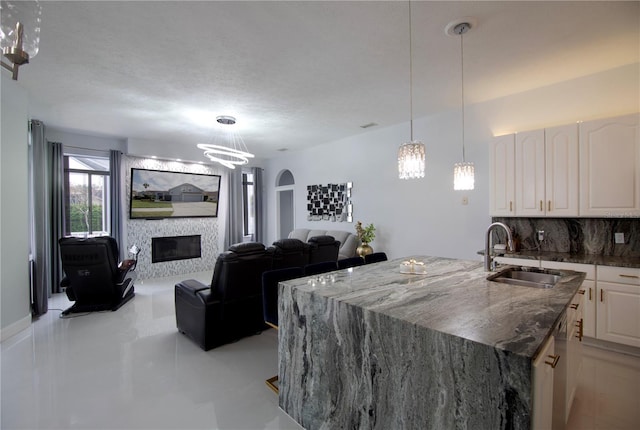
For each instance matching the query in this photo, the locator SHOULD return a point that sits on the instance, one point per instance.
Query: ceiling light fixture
(228, 148)
(19, 43)
(463, 173)
(411, 155)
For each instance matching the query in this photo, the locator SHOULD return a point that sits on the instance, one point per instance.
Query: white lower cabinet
(590, 292)
(543, 369)
(618, 305)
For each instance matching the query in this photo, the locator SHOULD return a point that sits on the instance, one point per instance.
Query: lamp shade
(29, 14)
(411, 160)
(463, 176)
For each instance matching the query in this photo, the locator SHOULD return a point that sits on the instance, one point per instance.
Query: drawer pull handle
(602, 295)
(581, 292)
(580, 326)
(575, 306)
(549, 209)
(541, 206)
(510, 206)
(554, 361)
(629, 276)
(589, 293)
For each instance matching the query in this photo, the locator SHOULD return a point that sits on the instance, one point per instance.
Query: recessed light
(154, 157)
(178, 159)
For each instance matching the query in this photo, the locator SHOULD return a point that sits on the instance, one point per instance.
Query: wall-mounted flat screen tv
(157, 194)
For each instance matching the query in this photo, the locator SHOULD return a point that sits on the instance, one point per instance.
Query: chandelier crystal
(463, 176)
(411, 160)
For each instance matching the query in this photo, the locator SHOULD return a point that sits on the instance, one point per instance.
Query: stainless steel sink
(526, 277)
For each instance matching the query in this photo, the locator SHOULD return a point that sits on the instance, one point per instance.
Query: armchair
(94, 279)
(323, 248)
(290, 253)
(231, 308)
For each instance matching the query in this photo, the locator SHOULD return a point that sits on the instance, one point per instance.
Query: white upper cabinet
(535, 173)
(530, 173)
(610, 167)
(561, 171)
(502, 171)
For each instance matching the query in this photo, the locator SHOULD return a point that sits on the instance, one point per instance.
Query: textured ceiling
(298, 74)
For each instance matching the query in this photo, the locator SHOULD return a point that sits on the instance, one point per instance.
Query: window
(86, 195)
(248, 204)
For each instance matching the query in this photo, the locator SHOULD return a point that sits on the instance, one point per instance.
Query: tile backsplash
(574, 235)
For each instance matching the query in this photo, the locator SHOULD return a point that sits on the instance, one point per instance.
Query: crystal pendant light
(19, 33)
(411, 155)
(463, 173)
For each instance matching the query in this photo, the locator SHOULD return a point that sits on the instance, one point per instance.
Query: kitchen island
(370, 347)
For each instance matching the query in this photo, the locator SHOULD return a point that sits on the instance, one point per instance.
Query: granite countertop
(600, 260)
(453, 297)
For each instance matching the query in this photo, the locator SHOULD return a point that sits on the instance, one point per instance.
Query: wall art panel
(330, 202)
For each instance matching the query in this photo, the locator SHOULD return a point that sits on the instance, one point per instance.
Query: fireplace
(175, 248)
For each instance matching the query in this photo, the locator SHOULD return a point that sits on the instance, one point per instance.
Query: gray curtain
(234, 226)
(259, 205)
(46, 179)
(57, 212)
(115, 182)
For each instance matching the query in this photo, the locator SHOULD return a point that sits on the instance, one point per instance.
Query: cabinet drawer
(589, 269)
(621, 275)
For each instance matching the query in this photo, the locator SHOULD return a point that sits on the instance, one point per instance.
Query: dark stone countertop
(600, 260)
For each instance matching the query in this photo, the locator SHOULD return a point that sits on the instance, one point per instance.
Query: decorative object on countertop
(413, 267)
(411, 155)
(331, 202)
(366, 235)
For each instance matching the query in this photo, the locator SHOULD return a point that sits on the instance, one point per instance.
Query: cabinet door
(589, 310)
(502, 171)
(609, 166)
(561, 170)
(589, 287)
(542, 416)
(618, 309)
(530, 173)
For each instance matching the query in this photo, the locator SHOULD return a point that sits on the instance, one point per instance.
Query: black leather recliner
(94, 279)
(231, 308)
(290, 253)
(323, 248)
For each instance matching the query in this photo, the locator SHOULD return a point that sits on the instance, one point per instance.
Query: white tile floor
(131, 369)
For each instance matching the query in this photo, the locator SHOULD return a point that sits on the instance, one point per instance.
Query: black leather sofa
(231, 308)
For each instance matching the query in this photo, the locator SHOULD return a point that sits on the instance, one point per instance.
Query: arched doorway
(284, 204)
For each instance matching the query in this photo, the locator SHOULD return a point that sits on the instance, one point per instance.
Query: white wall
(15, 312)
(426, 216)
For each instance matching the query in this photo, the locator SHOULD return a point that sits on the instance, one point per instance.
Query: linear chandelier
(464, 172)
(411, 155)
(228, 148)
(19, 33)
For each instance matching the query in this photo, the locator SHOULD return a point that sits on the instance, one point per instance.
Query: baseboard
(15, 328)
(612, 346)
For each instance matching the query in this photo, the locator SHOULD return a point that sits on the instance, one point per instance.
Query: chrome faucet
(488, 260)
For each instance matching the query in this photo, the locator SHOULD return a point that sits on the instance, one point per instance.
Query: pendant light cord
(410, 74)
(462, 86)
